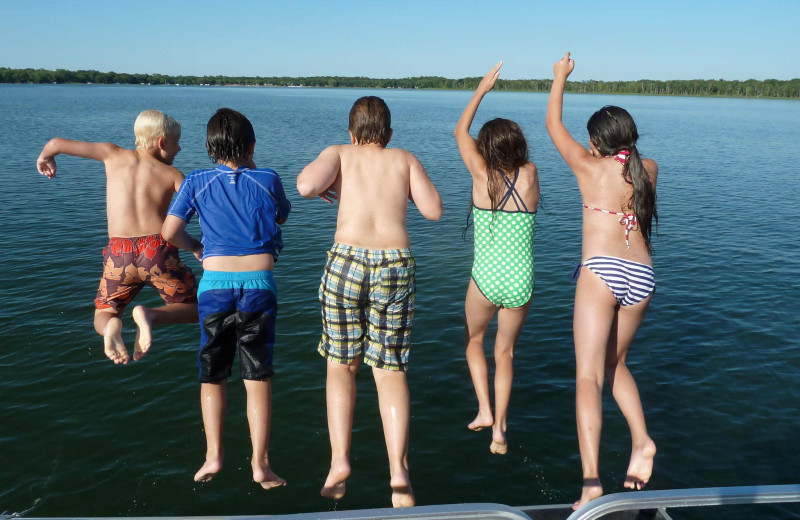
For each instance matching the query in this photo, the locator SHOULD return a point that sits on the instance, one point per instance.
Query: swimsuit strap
(626, 219)
(511, 193)
(622, 156)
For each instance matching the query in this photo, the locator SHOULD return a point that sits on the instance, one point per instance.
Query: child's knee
(504, 352)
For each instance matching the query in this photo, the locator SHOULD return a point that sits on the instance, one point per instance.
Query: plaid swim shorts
(367, 299)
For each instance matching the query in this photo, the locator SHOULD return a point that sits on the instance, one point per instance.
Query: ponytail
(643, 199)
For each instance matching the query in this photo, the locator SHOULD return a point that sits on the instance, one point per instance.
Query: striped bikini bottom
(630, 282)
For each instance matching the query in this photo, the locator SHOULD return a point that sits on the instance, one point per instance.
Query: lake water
(717, 358)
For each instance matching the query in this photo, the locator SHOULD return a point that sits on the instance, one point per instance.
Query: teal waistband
(237, 280)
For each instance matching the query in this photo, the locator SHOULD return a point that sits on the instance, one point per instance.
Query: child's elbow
(304, 188)
(434, 213)
(167, 235)
(168, 232)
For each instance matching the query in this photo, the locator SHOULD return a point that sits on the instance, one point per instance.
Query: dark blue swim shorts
(237, 313)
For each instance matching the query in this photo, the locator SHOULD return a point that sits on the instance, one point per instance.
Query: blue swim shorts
(237, 312)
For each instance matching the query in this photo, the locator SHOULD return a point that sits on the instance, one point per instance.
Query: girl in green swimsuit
(505, 196)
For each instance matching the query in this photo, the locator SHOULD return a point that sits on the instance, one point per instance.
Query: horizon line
(465, 78)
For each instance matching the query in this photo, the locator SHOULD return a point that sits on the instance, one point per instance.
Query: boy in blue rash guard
(240, 209)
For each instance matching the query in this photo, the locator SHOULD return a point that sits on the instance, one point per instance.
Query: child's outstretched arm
(573, 153)
(466, 144)
(46, 164)
(319, 177)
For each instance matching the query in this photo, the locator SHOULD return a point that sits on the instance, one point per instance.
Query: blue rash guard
(238, 210)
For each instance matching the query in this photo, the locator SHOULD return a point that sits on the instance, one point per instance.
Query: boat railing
(621, 506)
(696, 497)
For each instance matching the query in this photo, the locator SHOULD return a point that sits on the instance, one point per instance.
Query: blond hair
(152, 125)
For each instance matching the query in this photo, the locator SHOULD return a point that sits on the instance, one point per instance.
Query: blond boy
(139, 187)
(367, 290)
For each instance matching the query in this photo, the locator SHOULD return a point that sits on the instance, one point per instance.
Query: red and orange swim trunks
(131, 263)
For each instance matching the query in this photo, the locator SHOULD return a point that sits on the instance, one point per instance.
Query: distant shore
(770, 88)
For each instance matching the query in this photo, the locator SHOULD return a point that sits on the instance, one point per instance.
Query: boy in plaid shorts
(367, 289)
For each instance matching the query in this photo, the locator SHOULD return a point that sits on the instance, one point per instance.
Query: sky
(609, 40)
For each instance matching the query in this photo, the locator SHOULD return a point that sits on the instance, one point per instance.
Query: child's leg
(108, 324)
(595, 308)
(509, 325)
(395, 406)
(259, 413)
(478, 311)
(147, 318)
(340, 393)
(627, 394)
(174, 282)
(213, 400)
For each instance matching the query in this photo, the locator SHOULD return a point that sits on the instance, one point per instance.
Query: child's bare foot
(591, 490)
(402, 494)
(336, 483)
(482, 420)
(499, 445)
(113, 345)
(264, 475)
(144, 332)
(641, 465)
(209, 470)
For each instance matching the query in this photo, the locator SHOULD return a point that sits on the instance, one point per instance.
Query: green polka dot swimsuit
(503, 265)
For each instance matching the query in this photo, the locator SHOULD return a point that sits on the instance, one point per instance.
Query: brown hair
(504, 148)
(370, 121)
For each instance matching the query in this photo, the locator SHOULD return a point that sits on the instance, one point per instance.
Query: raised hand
(563, 67)
(488, 81)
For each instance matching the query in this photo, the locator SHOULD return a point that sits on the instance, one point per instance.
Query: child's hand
(198, 253)
(329, 196)
(488, 81)
(46, 166)
(563, 67)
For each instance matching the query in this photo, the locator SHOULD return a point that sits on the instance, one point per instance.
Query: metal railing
(696, 497)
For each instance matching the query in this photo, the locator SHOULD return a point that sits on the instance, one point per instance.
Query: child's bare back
(139, 189)
(374, 186)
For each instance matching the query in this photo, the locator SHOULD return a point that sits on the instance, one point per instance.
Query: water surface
(717, 358)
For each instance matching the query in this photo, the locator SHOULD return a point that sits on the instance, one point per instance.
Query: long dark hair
(504, 148)
(611, 130)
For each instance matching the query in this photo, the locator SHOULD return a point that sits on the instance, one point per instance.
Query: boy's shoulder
(205, 175)
(263, 171)
(392, 154)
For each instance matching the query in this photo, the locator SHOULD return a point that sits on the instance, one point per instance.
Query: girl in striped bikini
(505, 196)
(615, 280)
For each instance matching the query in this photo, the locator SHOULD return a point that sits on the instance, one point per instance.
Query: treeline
(770, 88)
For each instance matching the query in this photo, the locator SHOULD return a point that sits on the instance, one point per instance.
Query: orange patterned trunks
(131, 263)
